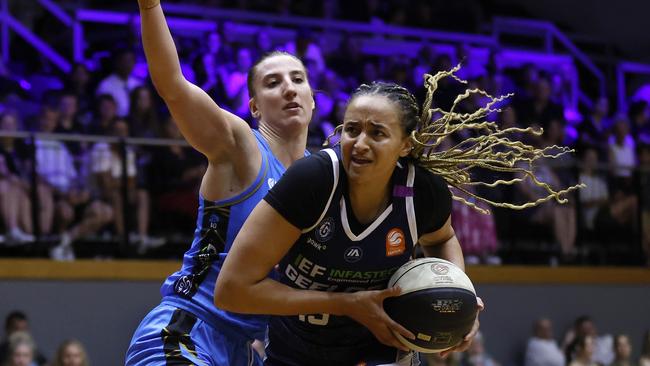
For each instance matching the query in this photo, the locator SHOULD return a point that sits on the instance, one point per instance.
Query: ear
(406, 148)
(252, 105)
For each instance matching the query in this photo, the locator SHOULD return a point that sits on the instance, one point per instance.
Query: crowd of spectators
(581, 345)
(79, 185)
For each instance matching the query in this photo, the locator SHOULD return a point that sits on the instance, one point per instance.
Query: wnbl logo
(353, 254)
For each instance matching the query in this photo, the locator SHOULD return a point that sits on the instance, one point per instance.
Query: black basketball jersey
(329, 256)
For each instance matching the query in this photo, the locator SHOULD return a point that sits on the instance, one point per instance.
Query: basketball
(438, 304)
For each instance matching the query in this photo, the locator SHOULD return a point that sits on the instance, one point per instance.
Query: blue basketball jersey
(329, 256)
(217, 225)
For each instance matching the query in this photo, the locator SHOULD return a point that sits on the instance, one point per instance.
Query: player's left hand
(462, 346)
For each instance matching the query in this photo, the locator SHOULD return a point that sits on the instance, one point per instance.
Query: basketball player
(243, 164)
(343, 220)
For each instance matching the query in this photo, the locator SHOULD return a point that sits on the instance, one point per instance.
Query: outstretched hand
(367, 308)
(462, 346)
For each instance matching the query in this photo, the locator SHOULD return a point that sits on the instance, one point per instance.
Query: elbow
(225, 294)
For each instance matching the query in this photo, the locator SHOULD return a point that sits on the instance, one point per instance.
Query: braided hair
(491, 149)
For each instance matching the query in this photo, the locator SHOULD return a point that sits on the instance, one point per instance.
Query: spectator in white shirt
(121, 82)
(542, 349)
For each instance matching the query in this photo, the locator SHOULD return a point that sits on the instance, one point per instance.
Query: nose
(289, 91)
(361, 143)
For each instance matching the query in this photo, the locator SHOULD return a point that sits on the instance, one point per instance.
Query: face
(264, 41)
(22, 356)
(80, 74)
(214, 42)
(244, 59)
(283, 98)
(591, 159)
(68, 105)
(107, 109)
(144, 99)
(544, 329)
(623, 347)
(125, 64)
(121, 129)
(49, 118)
(72, 355)
(9, 123)
(373, 139)
(18, 325)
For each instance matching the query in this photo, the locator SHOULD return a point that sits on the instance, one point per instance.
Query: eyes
(354, 129)
(275, 81)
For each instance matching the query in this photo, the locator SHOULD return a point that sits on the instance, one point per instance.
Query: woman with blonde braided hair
(341, 221)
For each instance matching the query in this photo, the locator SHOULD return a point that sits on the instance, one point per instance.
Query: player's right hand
(367, 308)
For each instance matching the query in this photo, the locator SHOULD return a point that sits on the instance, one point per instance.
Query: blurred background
(98, 189)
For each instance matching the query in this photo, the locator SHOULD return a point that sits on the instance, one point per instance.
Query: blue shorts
(171, 336)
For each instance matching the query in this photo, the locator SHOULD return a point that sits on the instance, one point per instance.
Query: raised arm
(243, 285)
(218, 134)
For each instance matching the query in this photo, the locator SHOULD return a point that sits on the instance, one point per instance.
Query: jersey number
(318, 319)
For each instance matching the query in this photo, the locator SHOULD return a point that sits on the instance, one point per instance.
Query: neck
(287, 148)
(368, 201)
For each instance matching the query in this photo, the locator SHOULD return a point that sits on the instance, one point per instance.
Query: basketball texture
(438, 304)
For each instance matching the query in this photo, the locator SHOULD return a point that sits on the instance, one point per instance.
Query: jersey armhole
(335, 182)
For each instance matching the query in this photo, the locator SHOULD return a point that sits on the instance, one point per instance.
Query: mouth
(359, 160)
(291, 106)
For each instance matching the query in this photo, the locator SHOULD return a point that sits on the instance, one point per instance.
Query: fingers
(474, 330)
(387, 337)
(480, 303)
(390, 292)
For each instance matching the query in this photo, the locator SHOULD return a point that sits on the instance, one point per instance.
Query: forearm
(274, 298)
(162, 57)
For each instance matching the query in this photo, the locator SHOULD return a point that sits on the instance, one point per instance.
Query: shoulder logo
(325, 229)
(270, 182)
(395, 242)
(353, 254)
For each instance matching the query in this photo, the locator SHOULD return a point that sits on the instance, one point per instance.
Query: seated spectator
(55, 168)
(71, 353)
(235, 84)
(542, 349)
(107, 169)
(644, 195)
(476, 233)
(622, 156)
(561, 218)
(21, 350)
(622, 351)
(15, 207)
(595, 129)
(208, 65)
(304, 47)
(143, 117)
(16, 322)
(105, 114)
(601, 346)
(540, 109)
(639, 115)
(644, 359)
(177, 171)
(87, 213)
(120, 82)
(580, 352)
(476, 355)
(78, 83)
(69, 122)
